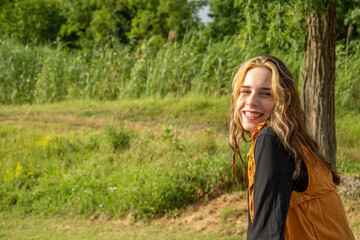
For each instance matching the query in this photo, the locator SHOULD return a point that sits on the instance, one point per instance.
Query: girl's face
(255, 102)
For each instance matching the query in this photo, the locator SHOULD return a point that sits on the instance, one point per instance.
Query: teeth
(251, 114)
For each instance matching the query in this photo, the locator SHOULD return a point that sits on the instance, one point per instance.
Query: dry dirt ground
(226, 214)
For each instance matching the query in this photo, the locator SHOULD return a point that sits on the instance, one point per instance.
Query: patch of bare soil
(350, 187)
(225, 214)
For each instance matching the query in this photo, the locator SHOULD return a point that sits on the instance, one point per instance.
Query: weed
(168, 136)
(119, 138)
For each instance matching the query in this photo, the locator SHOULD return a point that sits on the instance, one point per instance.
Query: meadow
(135, 158)
(143, 134)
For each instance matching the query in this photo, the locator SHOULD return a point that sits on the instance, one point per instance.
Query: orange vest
(316, 213)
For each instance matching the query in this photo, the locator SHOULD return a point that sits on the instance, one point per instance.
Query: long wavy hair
(287, 118)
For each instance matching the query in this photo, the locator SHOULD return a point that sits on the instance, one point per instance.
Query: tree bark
(319, 79)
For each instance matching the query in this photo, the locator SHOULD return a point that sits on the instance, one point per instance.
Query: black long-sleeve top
(273, 185)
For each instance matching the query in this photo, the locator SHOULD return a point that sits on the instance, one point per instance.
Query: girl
(292, 188)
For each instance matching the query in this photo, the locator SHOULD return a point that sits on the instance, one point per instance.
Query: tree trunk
(319, 79)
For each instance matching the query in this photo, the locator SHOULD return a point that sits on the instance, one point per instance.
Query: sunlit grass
(135, 160)
(147, 156)
(16, 227)
(84, 172)
(348, 141)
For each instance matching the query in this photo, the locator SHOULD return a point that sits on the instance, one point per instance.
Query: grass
(147, 156)
(348, 141)
(18, 227)
(120, 162)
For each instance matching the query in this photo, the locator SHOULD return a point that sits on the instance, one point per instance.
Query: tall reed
(50, 74)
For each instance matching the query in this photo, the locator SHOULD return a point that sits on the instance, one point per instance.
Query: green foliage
(85, 24)
(227, 19)
(113, 71)
(18, 72)
(102, 25)
(347, 85)
(346, 14)
(31, 21)
(353, 16)
(282, 23)
(273, 24)
(75, 172)
(92, 22)
(169, 136)
(118, 138)
(158, 17)
(35, 74)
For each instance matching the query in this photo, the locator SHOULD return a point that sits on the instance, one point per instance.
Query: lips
(251, 115)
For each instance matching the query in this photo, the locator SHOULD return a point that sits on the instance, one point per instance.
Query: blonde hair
(287, 118)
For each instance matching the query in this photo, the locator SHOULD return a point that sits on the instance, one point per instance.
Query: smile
(252, 115)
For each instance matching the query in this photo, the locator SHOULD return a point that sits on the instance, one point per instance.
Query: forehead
(258, 76)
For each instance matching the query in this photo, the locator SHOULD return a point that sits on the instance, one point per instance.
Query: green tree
(226, 19)
(89, 22)
(85, 23)
(158, 17)
(347, 19)
(31, 21)
(274, 23)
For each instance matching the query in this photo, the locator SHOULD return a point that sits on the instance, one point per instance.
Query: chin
(251, 126)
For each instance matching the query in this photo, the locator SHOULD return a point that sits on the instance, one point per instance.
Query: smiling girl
(292, 188)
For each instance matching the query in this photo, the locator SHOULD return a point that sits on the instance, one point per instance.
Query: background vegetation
(112, 107)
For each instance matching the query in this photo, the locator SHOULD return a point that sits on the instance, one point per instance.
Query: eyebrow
(263, 88)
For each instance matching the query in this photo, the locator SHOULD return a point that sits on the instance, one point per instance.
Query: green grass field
(66, 228)
(65, 163)
(112, 157)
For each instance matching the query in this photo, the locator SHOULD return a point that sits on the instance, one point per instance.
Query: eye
(265, 94)
(245, 91)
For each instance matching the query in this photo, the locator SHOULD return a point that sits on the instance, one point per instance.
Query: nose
(252, 100)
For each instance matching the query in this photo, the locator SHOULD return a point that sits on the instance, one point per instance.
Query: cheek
(240, 104)
(270, 105)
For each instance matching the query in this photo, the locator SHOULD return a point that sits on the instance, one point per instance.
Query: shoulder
(268, 133)
(270, 152)
(268, 139)
(268, 143)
